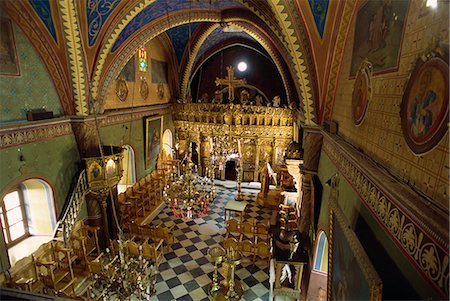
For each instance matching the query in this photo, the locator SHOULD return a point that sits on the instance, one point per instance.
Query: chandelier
(188, 195)
(126, 276)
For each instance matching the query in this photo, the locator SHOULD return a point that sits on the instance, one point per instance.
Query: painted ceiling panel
(218, 36)
(160, 8)
(319, 9)
(97, 12)
(179, 36)
(44, 11)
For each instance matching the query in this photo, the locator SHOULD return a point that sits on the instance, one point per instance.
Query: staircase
(67, 220)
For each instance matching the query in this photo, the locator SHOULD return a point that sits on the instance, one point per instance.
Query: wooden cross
(231, 82)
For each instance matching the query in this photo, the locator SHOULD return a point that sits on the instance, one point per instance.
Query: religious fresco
(143, 89)
(9, 62)
(159, 72)
(44, 11)
(362, 91)
(319, 10)
(97, 13)
(378, 34)
(153, 134)
(352, 275)
(128, 72)
(424, 107)
(121, 89)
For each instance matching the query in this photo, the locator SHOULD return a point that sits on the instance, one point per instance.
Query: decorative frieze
(19, 136)
(418, 233)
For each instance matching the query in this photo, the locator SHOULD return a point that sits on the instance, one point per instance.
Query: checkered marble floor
(187, 272)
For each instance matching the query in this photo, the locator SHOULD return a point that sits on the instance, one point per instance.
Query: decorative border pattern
(337, 59)
(18, 135)
(72, 34)
(425, 249)
(34, 134)
(97, 12)
(299, 63)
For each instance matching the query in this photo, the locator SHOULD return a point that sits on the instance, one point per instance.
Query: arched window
(321, 256)
(168, 143)
(143, 59)
(129, 170)
(28, 217)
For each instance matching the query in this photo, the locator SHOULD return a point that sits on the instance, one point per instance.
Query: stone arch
(114, 63)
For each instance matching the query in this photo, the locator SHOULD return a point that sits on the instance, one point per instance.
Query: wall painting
(379, 34)
(9, 62)
(424, 107)
(153, 134)
(351, 274)
(159, 72)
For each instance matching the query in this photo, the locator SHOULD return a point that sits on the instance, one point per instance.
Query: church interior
(224, 150)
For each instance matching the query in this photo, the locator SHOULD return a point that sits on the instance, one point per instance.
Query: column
(258, 149)
(312, 145)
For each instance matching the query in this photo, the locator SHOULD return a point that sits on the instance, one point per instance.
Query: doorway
(230, 170)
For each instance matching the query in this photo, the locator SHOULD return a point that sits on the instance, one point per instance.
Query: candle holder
(216, 255)
(233, 259)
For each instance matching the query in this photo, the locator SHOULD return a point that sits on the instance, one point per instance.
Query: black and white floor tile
(187, 272)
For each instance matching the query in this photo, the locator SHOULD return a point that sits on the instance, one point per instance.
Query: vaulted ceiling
(86, 43)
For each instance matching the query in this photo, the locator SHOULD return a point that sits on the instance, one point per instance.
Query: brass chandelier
(188, 194)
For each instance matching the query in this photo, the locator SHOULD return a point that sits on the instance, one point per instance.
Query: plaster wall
(157, 51)
(133, 133)
(32, 89)
(380, 135)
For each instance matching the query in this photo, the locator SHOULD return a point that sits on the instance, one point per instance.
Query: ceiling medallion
(143, 89)
(362, 92)
(121, 89)
(160, 90)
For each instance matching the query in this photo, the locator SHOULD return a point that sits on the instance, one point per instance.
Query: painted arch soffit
(288, 39)
(253, 33)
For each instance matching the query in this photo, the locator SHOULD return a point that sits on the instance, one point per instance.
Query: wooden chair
(64, 257)
(165, 233)
(262, 250)
(153, 252)
(233, 228)
(134, 249)
(231, 243)
(27, 278)
(262, 231)
(247, 231)
(55, 278)
(247, 248)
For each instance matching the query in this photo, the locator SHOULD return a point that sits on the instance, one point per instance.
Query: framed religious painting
(121, 89)
(153, 134)
(424, 107)
(9, 61)
(379, 28)
(351, 275)
(362, 92)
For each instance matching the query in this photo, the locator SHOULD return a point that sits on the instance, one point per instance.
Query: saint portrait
(360, 96)
(424, 108)
(121, 89)
(9, 63)
(153, 130)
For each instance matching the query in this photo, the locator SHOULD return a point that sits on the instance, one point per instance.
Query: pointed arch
(321, 254)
